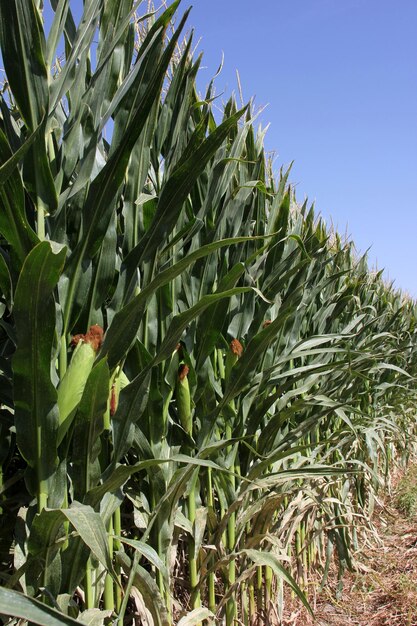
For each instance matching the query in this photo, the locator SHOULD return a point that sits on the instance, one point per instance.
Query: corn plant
(202, 387)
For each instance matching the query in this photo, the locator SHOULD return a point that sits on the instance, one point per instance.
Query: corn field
(203, 388)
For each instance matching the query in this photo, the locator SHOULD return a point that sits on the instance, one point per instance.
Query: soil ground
(381, 593)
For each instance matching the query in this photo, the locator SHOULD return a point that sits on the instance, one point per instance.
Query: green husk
(184, 400)
(75, 378)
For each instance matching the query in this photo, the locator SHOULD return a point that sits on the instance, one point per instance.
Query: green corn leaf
(149, 553)
(181, 321)
(99, 203)
(180, 184)
(69, 26)
(5, 282)
(243, 372)
(102, 278)
(34, 393)
(89, 424)
(15, 604)
(125, 323)
(132, 403)
(7, 167)
(46, 539)
(115, 19)
(43, 566)
(23, 44)
(115, 477)
(61, 9)
(92, 531)
(14, 225)
(81, 40)
(148, 588)
(211, 321)
(266, 558)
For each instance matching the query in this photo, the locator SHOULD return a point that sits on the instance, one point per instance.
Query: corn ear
(72, 385)
(184, 399)
(120, 381)
(233, 355)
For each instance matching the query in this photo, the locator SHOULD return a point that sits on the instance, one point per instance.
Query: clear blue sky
(340, 81)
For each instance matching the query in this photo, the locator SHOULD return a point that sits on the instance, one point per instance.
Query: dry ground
(384, 593)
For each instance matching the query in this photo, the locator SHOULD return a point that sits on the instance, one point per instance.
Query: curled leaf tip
(183, 371)
(236, 347)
